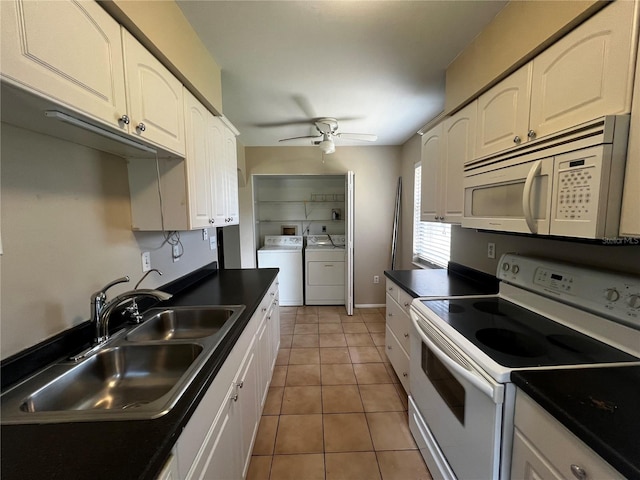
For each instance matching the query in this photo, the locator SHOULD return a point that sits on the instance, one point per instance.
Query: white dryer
(325, 270)
(284, 252)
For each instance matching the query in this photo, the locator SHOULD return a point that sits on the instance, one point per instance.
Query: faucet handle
(103, 291)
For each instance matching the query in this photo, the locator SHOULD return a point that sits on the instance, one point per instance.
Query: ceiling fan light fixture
(327, 146)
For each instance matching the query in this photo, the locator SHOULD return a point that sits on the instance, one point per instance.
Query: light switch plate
(212, 242)
(205, 234)
(146, 261)
(176, 253)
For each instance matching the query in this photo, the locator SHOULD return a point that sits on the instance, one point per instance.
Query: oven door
(459, 406)
(515, 198)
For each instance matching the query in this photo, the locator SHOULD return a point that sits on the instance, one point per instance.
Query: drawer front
(404, 300)
(556, 444)
(398, 321)
(392, 290)
(398, 358)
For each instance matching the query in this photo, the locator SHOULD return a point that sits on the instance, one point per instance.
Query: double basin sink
(140, 373)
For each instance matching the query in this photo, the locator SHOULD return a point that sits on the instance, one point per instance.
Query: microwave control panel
(578, 182)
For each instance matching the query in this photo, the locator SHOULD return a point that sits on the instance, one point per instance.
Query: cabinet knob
(406, 304)
(388, 347)
(212, 221)
(264, 309)
(141, 126)
(241, 384)
(234, 397)
(390, 314)
(406, 335)
(531, 134)
(405, 374)
(578, 472)
(125, 119)
(517, 139)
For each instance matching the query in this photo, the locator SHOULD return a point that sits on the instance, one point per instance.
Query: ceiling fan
(328, 129)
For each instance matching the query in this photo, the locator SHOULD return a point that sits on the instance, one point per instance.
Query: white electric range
(546, 315)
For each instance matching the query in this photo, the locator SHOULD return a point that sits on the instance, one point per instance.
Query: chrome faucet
(101, 310)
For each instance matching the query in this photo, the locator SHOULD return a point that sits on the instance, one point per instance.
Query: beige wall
(518, 32)
(66, 232)
(164, 30)
(376, 175)
(469, 247)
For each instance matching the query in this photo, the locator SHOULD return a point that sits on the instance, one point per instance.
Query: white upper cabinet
(586, 74)
(445, 149)
(430, 174)
(225, 175)
(155, 98)
(503, 113)
(459, 146)
(76, 62)
(198, 162)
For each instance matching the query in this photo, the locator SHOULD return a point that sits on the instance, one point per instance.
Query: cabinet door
(231, 175)
(217, 139)
(155, 98)
(503, 113)
(459, 145)
(69, 51)
(430, 174)
(586, 74)
(527, 463)
(198, 162)
(220, 456)
(248, 404)
(263, 346)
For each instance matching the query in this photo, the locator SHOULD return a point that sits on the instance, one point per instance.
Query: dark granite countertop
(455, 281)
(601, 406)
(134, 449)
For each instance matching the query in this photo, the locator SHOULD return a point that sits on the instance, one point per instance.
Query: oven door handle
(526, 196)
(493, 391)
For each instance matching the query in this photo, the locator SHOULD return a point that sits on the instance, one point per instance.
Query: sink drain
(133, 405)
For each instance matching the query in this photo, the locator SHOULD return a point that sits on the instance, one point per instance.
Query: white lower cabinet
(217, 441)
(397, 331)
(543, 449)
(170, 470)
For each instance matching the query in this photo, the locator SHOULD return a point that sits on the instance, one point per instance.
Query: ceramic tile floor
(335, 408)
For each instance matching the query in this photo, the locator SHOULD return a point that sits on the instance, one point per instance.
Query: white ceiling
(377, 66)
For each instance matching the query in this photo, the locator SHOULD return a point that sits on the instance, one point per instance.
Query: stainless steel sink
(182, 323)
(139, 374)
(116, 379)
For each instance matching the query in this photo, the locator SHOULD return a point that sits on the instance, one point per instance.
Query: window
(431, 240)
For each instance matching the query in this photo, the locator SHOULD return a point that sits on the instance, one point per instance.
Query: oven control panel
(611, 294)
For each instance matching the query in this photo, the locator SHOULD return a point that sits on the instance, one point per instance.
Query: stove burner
(453, 308)
(574, 343)
(488, 307)
(510, 342)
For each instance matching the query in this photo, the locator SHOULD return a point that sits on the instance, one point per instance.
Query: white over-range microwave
(568, 184)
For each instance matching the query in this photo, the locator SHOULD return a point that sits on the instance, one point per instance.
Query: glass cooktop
(516, 337)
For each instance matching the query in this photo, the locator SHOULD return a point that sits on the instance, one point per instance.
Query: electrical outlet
(176, 253)
(146, 261)
(205, 234)
(491, 250)
(212, 242)
(324, 229)
(376, 279)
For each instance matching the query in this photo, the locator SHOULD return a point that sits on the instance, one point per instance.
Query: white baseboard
(370, 305)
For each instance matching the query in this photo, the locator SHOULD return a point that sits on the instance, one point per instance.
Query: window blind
(431, 240)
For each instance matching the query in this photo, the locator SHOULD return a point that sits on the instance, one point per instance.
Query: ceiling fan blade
(284, 123)
(297, 138)
(305, 105)
(367, 137)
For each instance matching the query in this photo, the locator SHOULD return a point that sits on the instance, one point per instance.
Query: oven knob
(515, 269)
(505, 267)
(612, 294)
(634, 301)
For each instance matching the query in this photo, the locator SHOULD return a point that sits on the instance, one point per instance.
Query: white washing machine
(285, 252)
(325, 270)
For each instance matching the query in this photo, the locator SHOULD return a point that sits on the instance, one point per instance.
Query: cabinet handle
(531, 134)
(517, 139)
(578, 472)
(125, 119)
(141, 126)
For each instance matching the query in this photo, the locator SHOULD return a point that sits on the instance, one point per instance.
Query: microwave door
(515, 198)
